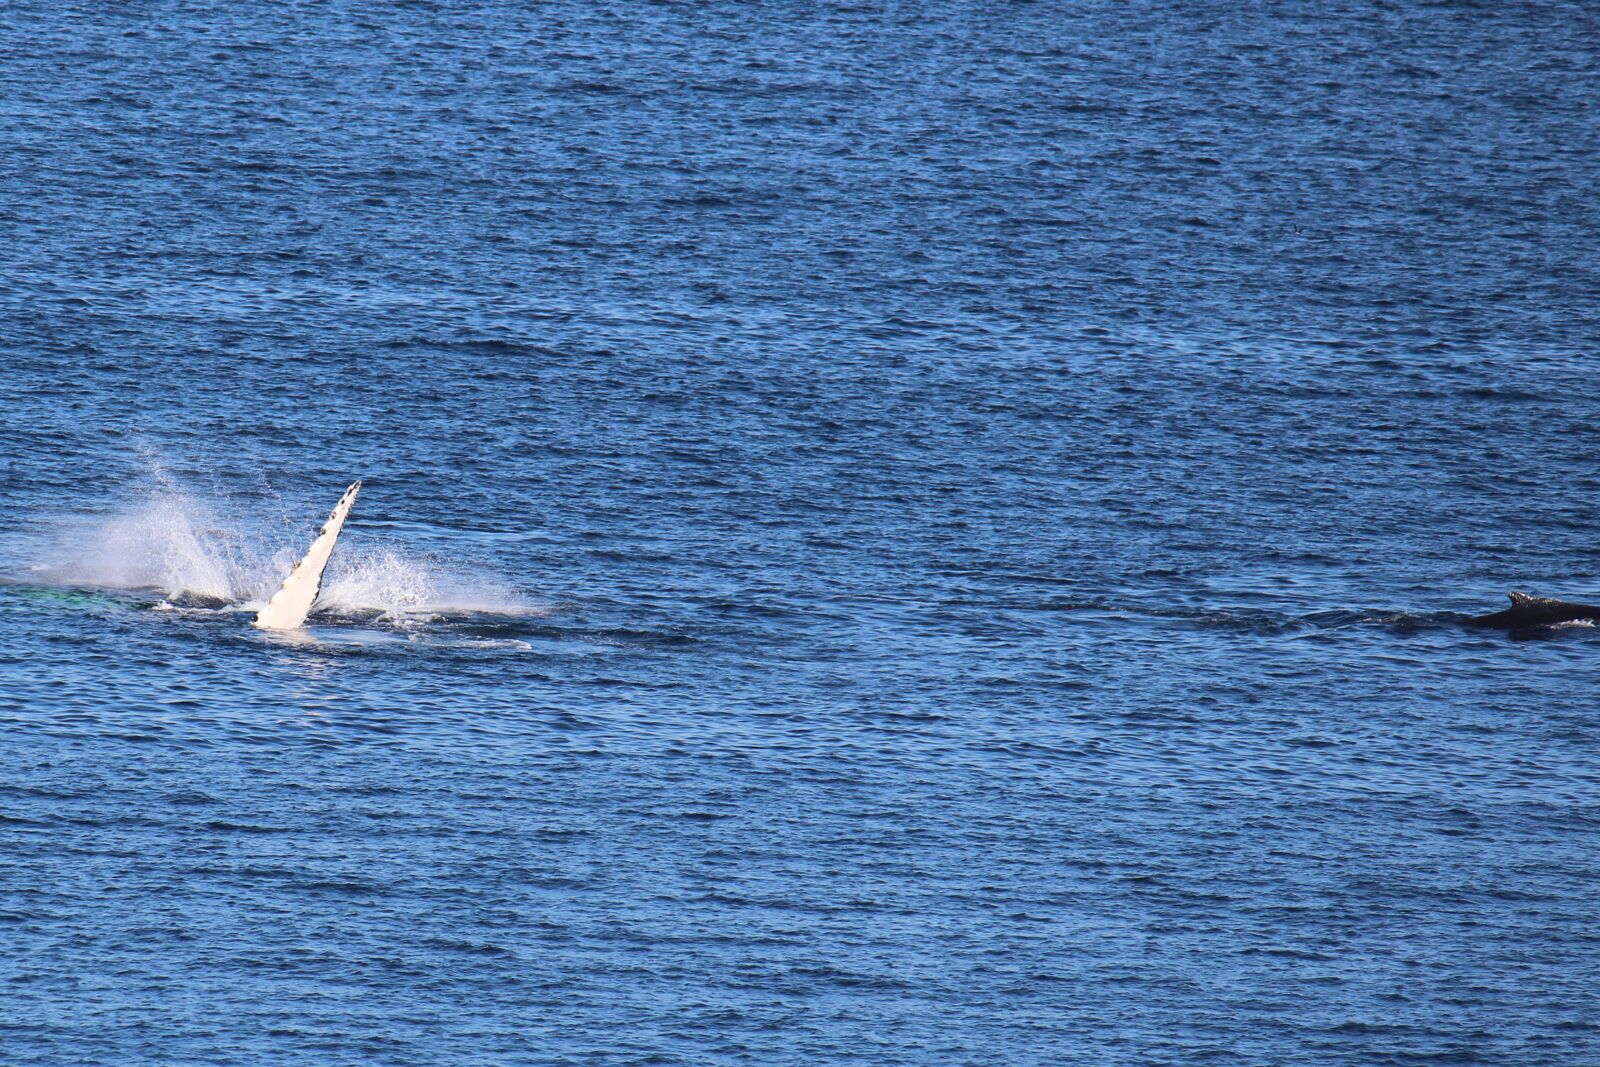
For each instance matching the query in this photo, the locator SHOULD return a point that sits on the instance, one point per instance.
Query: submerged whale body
(1527, 611)
(290, 605)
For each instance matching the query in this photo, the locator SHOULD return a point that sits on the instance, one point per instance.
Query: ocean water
(893, 534)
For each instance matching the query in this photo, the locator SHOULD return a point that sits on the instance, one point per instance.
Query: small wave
(511, 643)
(1258, 621)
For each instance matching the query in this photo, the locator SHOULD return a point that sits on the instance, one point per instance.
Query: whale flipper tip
(293, 601)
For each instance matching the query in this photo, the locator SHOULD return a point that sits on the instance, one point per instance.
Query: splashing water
(399, 586)
(171, 543)
(383, 581)
(167, 542)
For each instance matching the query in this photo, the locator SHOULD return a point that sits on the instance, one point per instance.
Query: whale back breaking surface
(1529, 611)
(292, 602)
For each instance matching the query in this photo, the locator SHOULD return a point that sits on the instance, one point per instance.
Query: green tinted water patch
(78, 601)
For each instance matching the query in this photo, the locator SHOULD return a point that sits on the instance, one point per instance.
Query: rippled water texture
(922, 534)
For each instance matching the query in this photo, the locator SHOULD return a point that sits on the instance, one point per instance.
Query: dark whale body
(1527, 611)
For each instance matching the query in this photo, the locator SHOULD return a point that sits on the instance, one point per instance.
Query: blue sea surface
(924, 534)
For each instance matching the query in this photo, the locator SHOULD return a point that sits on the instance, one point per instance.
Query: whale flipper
(291, 604)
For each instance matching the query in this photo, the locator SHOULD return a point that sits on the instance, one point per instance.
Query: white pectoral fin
(291, 604)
